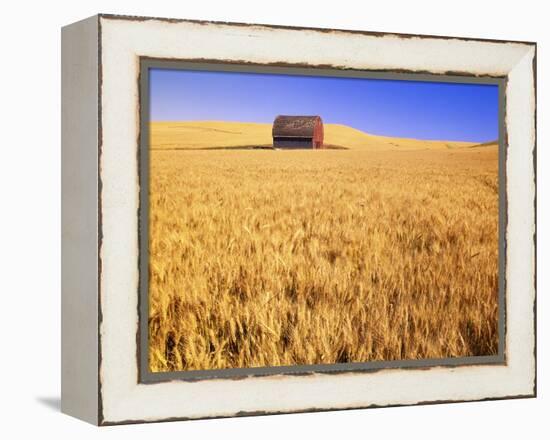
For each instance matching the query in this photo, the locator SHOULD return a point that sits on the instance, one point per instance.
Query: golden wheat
(269, 258)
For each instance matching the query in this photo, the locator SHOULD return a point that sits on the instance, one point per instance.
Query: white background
(30, 217)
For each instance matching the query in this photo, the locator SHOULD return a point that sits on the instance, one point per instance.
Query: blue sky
(422, 110)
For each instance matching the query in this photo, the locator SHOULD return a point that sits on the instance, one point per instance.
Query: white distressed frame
(122, 40)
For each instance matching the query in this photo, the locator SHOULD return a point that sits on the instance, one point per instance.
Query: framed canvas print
(265, 219)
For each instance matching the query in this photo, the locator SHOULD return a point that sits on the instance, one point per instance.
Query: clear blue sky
(422, 110)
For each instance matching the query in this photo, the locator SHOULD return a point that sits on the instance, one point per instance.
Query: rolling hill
(220, 134)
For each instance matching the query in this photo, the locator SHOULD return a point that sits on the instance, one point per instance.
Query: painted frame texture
(102, 56)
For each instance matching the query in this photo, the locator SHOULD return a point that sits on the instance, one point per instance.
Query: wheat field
(271, 258)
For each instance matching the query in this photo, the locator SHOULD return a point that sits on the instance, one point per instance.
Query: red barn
(298, 132)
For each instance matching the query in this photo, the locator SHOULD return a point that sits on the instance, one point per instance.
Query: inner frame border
(145, 376)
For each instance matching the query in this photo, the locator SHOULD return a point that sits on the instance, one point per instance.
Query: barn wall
(293, 142)
(318, 134)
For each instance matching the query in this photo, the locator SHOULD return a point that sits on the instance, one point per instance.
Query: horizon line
(488, 141)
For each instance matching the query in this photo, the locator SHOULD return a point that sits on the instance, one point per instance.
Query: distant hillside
(220, 134)
(486, 144)
(359, 140)
(208, 134)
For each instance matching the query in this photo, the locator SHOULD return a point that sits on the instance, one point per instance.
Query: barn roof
(294, 126)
